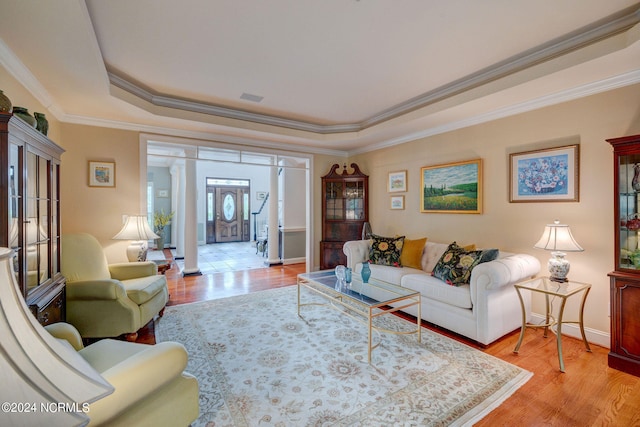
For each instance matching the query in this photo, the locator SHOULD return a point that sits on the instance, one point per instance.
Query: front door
(227, 214)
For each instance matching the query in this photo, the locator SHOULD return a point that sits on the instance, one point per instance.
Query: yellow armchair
(151, 387)
(108, 300)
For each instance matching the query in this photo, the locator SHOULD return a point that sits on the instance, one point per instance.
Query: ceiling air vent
(250, 97)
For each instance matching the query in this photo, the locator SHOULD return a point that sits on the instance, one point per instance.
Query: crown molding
(21, 73)
(200, 135)
(578, 92)
(601, 30)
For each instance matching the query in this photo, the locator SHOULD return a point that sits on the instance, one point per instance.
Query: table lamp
(136, 228)
(38, 372)
(558, 238)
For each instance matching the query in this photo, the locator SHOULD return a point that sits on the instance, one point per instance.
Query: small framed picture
(261, 195)
(102, 174)
(397, 181)
(397, 202)
(548, 175)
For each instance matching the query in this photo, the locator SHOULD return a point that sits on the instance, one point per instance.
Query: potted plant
(160, 221)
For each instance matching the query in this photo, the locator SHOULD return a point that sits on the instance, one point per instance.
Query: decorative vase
(160, 240)
(41, 123)
(23, 113)
(366, 272)
(5, 103)
(635, 182)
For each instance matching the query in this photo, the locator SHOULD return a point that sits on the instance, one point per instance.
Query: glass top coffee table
(362, 301)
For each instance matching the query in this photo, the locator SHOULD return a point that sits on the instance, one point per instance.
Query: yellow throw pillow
(412, 253)
(471, 247)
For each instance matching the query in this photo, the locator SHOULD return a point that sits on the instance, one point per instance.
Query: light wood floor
(588, 394)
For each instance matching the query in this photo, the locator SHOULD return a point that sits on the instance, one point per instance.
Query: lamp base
(137, 251)
(558, 267)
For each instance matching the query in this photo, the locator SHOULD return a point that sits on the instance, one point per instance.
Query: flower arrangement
(161, 220)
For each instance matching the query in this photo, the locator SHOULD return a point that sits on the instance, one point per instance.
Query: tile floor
(222, 257)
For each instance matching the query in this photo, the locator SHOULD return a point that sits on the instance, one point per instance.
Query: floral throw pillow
(386, 250)
(456, 264)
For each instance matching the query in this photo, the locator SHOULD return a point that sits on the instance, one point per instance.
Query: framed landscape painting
(549, 175)
(452, 188)
(397, 181)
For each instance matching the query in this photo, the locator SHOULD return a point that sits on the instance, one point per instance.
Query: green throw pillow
(456, 264)
(386, 250)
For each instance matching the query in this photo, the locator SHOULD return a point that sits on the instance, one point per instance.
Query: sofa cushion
(456, 264)
(432, 253)
(435, 289)
(142, 289)
(386, 250)
(412, 250)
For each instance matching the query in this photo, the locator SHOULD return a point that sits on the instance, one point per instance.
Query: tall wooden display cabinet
(345, 209)
(30, 216)
(625, 279)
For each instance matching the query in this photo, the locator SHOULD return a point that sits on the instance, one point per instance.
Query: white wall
(516, 227)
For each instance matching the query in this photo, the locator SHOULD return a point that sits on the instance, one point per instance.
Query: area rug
(259, 364)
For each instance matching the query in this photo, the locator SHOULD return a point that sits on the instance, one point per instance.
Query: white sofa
(484, 310)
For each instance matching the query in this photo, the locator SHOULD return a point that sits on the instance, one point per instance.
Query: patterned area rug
(259, 364)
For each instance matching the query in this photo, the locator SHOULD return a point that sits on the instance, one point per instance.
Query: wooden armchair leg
(132, 337)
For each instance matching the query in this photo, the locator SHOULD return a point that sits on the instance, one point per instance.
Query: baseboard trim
(594, 336)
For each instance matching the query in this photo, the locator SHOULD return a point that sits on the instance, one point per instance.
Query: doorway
(227, 210)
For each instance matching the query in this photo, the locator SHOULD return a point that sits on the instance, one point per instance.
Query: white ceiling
(336, 76)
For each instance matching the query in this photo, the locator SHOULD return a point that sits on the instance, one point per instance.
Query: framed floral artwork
(102, 174)
(452, 188)
(397, 202)
(397, 181)
(548, 175)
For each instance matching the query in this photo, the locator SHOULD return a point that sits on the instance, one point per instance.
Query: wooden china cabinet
(30, 217)
(345, 209)
(625, 279)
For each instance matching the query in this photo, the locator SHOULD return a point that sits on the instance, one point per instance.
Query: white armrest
(504, 271)
(67, 332)
(138, 376)
(356, 251)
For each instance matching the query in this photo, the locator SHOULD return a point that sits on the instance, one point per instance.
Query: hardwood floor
(588, 394)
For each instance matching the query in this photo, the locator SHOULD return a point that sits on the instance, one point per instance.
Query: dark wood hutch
(30, 217)
(345, 209)
(625, 279)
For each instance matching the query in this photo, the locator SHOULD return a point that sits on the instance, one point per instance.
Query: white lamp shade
(37, 368)
(136, 227)
(558, 237)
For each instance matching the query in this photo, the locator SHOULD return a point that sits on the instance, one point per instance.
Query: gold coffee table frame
(356, 299)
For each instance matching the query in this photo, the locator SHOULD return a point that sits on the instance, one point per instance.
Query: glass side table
(163, 265)
(562, 290)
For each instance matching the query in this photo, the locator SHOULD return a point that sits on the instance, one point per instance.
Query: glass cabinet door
(334, 200)
(628, 199)
(37, 221)
(354, 200)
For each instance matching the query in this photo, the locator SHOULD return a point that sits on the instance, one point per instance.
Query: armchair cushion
(88, 261)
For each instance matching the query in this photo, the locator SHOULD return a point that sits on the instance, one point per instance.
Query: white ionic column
(274, 246)
(178, 189)
(191, 221)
